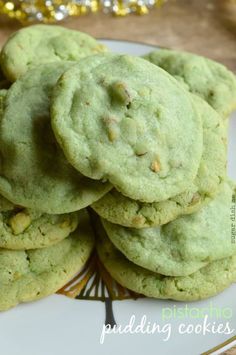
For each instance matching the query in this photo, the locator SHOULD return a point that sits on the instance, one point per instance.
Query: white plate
(59, 325)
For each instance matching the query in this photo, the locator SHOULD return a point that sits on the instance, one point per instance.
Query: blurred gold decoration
(227, 10)
(49, 11)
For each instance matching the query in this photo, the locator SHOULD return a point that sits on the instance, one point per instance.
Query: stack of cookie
(179, 247)
(45, 233)
(144, 147)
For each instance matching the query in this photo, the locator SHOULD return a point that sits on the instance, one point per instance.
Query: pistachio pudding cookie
(184, 245)
(131, 124)
(206, 282)
(202, 76)
(28, 229)
(27, 275)
(120, 209)
(39, 44)
(34, 172)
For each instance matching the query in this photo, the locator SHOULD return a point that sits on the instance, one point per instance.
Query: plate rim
(155, 46)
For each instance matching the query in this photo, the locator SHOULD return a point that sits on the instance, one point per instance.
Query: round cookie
(30, 275)
(131, 124)
(184, 245)
(34, 172)
(202, 76)
(119, 209)
(206, 282)
(40, 44)
(27, 229)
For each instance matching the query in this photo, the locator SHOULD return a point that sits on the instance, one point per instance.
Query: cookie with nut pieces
(131, 124)
(120, 209)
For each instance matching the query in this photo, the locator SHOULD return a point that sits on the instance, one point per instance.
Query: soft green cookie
(202, 76)
(29, 275)
(183, 246)
(121, 210)
(204, 283)
(27, 229)
(131, 124)
(40, 44)
(34, 172)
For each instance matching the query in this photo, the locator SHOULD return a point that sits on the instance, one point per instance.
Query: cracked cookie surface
(39, 44)
(29, 275)
(204, 283)
(27, 229)
(202, 76)
(184, 245)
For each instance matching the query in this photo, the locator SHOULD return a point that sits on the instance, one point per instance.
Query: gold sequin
(49, 11)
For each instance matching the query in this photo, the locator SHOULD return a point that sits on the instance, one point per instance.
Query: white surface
(62, 326)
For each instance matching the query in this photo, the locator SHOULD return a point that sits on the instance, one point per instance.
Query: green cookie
(29, 275)
(204, 283)
(27, 229)
(34, 172)
(40, 44)
(131, 124)
(183, 246)
(204, 77)
(119, 209)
